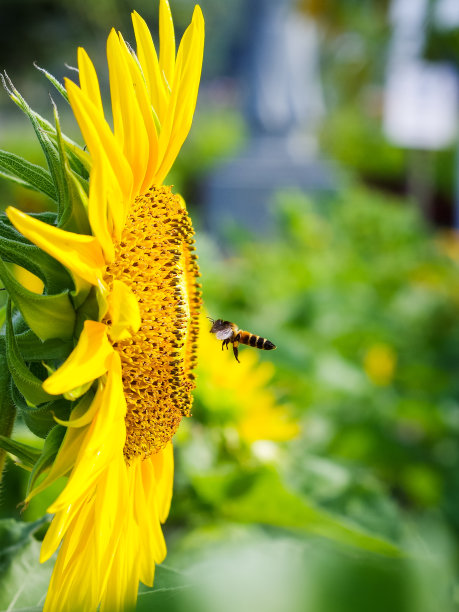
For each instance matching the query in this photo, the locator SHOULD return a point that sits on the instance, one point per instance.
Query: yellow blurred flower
(241, 389)
(379, 363)
(448, 243)
(131, 368)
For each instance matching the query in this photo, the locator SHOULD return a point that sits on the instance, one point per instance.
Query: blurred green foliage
(341, 279)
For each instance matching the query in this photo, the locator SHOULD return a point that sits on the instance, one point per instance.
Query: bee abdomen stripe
(244, 337)
(253, 340)
(260, 342)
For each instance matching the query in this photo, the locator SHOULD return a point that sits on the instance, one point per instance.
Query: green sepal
(7, 407)
(89, 309)
(27, 455)
(33, 349)
(77, 392)
(15, 168)
(40, 420)
(73, 215)
(48, 316)
(49, 148)
(60, 88)
(80, 161)
(15, 248)
(29, 385)
(51, 447)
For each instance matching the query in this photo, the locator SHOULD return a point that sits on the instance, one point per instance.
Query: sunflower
(121, 254)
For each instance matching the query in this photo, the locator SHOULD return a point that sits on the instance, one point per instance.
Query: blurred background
(321, 173)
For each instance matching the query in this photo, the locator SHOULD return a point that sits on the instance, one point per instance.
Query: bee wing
(223, 334)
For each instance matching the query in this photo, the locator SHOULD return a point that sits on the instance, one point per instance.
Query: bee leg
(223, 344)
(236, 351)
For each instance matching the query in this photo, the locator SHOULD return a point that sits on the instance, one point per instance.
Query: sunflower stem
(7, 408)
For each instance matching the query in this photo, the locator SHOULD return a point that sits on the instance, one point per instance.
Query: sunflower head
(100, 357)
(157, 361)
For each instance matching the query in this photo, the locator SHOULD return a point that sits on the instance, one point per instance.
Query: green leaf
(27, 174)
(40, 420)
(27, 383)
(60, 88)
(51, 447)
(261, 497)
(23, 580)
(170, 592)
(28, 455)
(48, 316)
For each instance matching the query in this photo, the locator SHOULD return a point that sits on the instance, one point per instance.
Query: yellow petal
(97, 210)
(58, 527)
(129, 125)
(104, 440)
(79, 253)
(89, 82)
(184, 94)
(143, 100)
(99, 138)
(163, 464)
(154, 546)
(81, 415)
(166, 42)
(88, 360)
(124, 312)
(148, 59)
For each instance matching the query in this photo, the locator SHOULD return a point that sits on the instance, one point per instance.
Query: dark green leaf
(34, 177)
(28, 384)
(34, 349)
(28, 455)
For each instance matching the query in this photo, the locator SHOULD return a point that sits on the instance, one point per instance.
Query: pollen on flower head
(155, 259)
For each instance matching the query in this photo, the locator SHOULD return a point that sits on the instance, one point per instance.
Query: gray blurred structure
(421, 97)
(283, 102)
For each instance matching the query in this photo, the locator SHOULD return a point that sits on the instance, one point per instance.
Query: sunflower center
(155, 260)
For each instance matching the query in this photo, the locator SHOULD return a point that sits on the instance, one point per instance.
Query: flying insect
(229, 333)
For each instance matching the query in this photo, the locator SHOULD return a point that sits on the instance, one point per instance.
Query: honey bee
(229, 333)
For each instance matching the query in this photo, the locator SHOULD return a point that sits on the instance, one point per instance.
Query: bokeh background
(321, 173)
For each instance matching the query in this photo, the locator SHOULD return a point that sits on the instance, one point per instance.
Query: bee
(229, 333)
